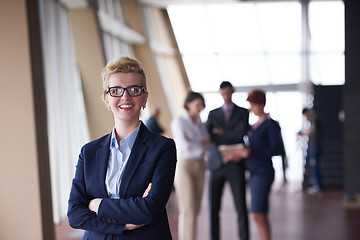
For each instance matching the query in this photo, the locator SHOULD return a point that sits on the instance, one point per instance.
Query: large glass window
(246, 43)
(327, 42)
(260, 43)
(111, 17)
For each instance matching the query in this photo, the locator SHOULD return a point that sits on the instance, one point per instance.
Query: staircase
(328, 106)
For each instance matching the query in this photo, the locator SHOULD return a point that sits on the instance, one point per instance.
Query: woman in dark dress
(263, 143)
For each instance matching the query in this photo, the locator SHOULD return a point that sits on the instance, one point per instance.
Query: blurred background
(303, 53)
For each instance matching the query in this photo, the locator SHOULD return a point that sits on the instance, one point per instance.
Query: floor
(294, 214)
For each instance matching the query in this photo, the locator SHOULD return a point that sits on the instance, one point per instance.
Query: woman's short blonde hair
(122, 65)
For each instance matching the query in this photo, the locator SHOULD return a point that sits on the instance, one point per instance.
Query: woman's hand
(94, 204)
(147, 190)
(130, 226)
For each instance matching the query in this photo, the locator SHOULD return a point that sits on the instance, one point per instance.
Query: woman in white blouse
(191, 138)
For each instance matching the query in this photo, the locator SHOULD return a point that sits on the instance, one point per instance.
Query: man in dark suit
(227, 125)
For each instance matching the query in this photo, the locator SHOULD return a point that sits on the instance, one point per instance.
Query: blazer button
(104, 219)
(113, 220)
(109, 220)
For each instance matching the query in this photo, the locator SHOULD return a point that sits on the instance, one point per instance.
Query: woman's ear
(106, 101)
(146, 97)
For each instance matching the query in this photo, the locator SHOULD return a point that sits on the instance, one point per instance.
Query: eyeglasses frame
(125, 89)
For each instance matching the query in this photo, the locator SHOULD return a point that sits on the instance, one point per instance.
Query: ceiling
(165, 3)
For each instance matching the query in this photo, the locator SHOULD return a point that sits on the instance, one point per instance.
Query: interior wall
(20, 201)
(175, 75)
(178, 57)
(90, 60)
(352, 99)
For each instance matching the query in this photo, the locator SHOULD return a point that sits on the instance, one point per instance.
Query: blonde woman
(123, 180)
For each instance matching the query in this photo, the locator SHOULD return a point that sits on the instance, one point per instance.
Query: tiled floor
(294, 215)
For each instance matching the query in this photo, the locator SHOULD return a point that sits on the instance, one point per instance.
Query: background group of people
(199, 142)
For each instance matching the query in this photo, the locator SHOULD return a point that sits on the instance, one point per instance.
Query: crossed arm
(114, 214)
(94, 206)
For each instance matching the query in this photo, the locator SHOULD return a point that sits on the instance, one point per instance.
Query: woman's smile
(126, 106)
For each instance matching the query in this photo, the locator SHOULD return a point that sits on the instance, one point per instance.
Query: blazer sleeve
(270, 144)
(79, 215)
(113, 214)
(138, 210)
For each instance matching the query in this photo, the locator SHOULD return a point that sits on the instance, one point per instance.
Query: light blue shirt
(118, 158)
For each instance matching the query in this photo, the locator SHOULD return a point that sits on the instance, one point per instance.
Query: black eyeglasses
(133, 91)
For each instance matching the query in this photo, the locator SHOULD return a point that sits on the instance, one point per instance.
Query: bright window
(327, 42)
(253, 44)
(263, 44)
(245, 43)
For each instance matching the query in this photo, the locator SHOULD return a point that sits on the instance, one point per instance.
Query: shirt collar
(229, 106)
(129, 139)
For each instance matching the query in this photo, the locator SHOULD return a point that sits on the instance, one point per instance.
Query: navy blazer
(265, 142)
(233, 132)
(152, 160)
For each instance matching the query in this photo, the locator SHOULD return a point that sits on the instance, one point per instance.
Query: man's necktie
(227, 114)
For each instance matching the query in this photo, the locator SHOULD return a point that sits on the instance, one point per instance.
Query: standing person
(123, 180)
(227, 125)
(264, 141)
(192, 139)
(152, 123)
(315, 135)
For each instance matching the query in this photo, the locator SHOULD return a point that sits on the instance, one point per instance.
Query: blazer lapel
(137, 153)
(233, 113)
(220, 115)
(102, 159)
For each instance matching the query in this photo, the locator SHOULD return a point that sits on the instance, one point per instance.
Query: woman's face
(257, 109)
(125, 108)
(195, 107)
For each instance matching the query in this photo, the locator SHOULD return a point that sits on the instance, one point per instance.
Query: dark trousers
(234, 174)
(313, 158)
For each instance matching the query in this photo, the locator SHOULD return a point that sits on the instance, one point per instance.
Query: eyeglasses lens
(119, 91)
